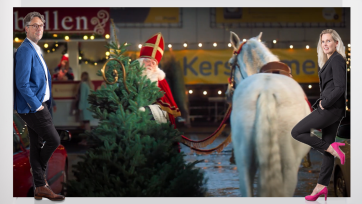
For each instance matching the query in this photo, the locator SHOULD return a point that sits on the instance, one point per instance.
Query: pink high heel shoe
(316, 196)
(341, 155)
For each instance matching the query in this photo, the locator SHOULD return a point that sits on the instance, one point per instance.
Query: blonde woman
(84, 90)
(329, 109)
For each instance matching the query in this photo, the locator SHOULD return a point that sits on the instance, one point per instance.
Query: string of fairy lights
(85, 60)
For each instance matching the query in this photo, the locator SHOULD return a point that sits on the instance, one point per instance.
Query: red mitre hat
(153, 48)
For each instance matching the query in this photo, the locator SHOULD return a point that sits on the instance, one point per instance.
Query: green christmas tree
(132, 154)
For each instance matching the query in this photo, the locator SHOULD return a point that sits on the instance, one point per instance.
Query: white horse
(265, 109)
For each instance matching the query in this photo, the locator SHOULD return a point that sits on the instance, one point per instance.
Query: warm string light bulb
(291, 46)
(215, 44)
(190, 91)
(274, 41)
(185, 44)
(66, 37)
(140, 46)
(307, 47)
(229, 44)
(200, 44)
(169, 46)
(205, 92)
(107, 36)
(85, 37)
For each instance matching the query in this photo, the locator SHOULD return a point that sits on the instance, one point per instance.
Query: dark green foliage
(132, 154)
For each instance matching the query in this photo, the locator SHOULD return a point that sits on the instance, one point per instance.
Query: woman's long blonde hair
(322, 58)
(87, 80)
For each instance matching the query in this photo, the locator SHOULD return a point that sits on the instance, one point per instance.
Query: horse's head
(248, 57)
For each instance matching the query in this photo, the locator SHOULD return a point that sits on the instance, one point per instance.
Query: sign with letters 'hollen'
(67, 20)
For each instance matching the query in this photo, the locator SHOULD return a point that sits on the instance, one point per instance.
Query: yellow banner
(211, 66)
(276, 15)
(163, 15)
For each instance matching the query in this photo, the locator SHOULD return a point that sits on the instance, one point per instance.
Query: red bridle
(236, 52)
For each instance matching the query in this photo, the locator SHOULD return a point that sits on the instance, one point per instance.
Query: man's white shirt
(47, 91)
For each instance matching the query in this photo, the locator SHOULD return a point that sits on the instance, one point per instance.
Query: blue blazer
(29, 79)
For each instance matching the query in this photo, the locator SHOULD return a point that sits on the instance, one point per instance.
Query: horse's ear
(259, 36)
(234, 40)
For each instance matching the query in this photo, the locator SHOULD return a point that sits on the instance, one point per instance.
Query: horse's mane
(254, 55)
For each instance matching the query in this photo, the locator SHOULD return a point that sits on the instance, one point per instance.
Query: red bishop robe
(167, 103)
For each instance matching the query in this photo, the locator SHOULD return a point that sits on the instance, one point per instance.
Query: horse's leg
(245, 161)
(306, 160)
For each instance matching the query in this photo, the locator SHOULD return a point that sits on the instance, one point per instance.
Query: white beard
(156, 76)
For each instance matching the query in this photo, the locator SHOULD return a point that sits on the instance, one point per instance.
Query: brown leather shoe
(46, 192)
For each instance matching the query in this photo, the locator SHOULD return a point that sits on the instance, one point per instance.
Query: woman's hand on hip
(320, 104)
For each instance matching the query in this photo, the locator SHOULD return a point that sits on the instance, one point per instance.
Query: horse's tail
(267, 147)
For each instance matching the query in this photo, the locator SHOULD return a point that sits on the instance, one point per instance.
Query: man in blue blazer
(32, 93)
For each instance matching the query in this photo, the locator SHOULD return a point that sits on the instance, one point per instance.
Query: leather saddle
(276, 68)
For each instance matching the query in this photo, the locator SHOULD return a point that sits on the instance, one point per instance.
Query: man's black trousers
(328, 123)
(41, 128)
